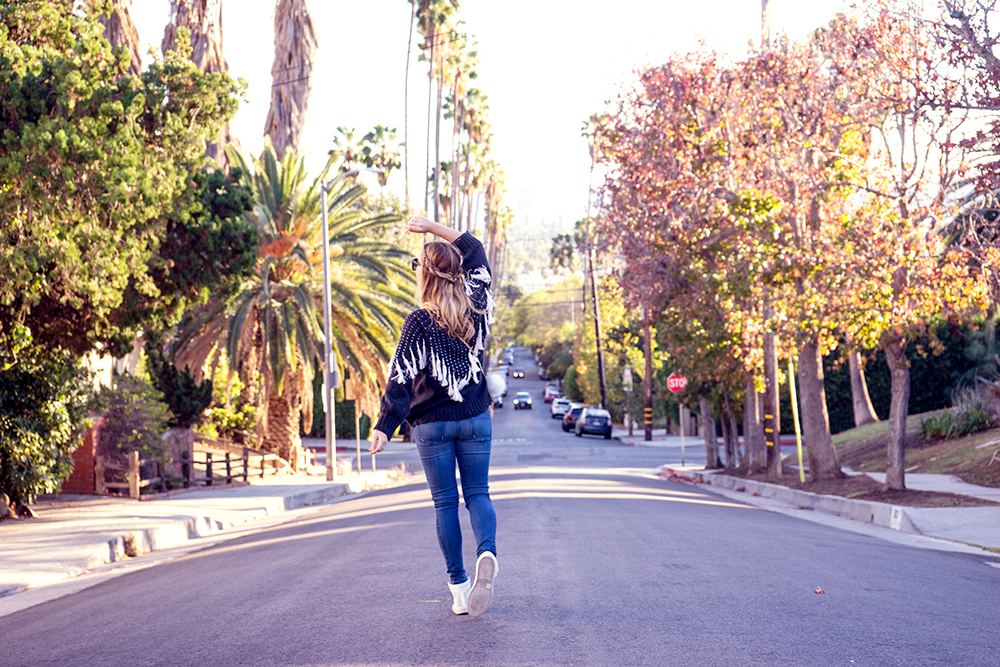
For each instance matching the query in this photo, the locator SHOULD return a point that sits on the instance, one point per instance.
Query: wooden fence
(197, 469)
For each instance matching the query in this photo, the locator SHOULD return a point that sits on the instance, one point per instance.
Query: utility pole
(765, 23)
(647, 381)
(589, 130)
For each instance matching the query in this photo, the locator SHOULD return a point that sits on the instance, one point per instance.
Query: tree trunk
(295, 47)
(772, 407)
(899, 370)
(864, 413)
(430, 107)
(735, 434)
(406, 112)
(437, 145)
(711, 442)
(753, 429)
(823, 460)
(120, 31)
(282, 436)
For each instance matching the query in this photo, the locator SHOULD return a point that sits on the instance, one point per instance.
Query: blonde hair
(441, 290)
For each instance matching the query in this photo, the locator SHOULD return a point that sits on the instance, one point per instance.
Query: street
(600, 564)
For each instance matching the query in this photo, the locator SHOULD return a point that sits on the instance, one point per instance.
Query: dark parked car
(595, 421)
(522, 399)
(569, 419)
(498, 401)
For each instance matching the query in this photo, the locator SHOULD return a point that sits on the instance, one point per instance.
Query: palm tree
(435, 17)
(381, 151)
(120, 30)
(272, 331)
(346, 149)
(203, 21)
(294, 48)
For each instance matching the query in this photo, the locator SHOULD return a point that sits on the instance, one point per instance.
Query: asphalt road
(599, 565)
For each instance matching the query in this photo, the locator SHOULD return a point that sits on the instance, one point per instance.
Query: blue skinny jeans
(441, 445)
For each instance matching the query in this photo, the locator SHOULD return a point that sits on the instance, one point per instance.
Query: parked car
(518, 372)
(522, 399)
(569, 419)
(542, 375)
(596, 421)
(498, 401)
(560, 406)
(550, 393)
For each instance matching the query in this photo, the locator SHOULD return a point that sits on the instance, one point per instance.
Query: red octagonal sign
(675, 383)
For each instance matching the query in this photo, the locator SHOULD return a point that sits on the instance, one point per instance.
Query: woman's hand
(379, 441)
(419, 224)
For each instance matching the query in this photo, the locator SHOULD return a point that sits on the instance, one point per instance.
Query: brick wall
(82, 478)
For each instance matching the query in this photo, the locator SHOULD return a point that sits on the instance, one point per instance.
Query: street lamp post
(331, 374)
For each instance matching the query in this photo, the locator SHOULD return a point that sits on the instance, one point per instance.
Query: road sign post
(676, 383)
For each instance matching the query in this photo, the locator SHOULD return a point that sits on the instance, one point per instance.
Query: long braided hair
(441, 290)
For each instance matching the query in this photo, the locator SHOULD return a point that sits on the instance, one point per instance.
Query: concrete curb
(867, 511)
(192, 523)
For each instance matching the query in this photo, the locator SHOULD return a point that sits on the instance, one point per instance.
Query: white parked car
(560, 406)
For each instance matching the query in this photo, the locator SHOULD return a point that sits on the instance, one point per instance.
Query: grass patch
(967, 457)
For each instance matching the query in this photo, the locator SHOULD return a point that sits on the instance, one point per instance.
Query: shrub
(135, 419)
(237, 425)
(973, 409)
(186, 398)
(43, 406)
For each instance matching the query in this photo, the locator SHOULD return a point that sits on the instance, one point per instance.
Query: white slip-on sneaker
(460, 593)
(482, 589)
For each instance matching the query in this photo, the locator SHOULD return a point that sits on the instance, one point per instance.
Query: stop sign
(675, 383)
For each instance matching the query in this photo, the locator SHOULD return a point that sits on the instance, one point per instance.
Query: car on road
(569, 419)
(498, 401)
(551, 393)
(595, 421)
(522, 399)
(560, 406)
(518, 372)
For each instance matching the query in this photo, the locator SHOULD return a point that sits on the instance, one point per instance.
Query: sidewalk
(75, 534)
(977, 528)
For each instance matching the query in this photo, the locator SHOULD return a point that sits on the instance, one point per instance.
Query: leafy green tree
(95, 164)
(43, 404)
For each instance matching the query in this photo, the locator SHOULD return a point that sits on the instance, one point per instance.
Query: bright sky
(546, 65)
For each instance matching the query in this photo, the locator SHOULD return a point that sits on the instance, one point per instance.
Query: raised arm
(418, 224)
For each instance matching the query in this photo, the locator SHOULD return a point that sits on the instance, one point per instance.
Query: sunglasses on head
(415, 263)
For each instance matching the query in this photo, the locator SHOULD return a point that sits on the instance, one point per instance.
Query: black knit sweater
(432, 376)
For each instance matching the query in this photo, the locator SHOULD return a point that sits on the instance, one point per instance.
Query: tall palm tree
(272, 331)
(203, 21)
(291, 75)
(406, 109)
(465, 60)
(381, 151)
(120, 30)
(346, 149)
(435, 18)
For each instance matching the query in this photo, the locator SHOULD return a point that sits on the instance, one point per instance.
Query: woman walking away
(437, 383)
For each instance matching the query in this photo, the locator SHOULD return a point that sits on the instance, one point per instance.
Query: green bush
(135, 418)
(571, 387)
(972, 411)
(43, 406)
(238, 425)
(186, 398)
(936, 428)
